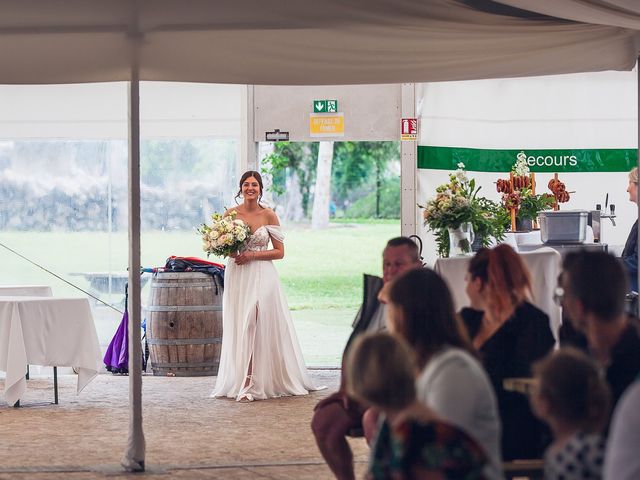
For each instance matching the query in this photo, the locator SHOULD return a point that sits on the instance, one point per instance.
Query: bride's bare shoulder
(272, 218)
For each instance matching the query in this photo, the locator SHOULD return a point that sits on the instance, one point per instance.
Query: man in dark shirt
(337, 416)
(594, 285)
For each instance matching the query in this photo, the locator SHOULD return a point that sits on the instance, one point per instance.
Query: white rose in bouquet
(225, 239)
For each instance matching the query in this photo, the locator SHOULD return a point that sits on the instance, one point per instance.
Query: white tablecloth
(544, 265)
(25, 291)
(46, 331)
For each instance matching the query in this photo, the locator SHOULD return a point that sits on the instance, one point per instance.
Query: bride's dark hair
(248, 174)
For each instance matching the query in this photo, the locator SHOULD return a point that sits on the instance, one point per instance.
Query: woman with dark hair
(261, 356)
(510, 334)
(451, 381)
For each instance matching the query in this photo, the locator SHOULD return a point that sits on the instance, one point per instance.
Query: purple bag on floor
(116, 358)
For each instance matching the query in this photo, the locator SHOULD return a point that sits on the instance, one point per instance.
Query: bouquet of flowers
(225, 236)
(457, 203)
(451, 207)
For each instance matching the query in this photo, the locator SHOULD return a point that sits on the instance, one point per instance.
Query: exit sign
(325, 106)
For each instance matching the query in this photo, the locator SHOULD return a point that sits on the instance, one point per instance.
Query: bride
(261, 357)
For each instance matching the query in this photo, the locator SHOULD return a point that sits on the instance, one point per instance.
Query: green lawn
(321, 271)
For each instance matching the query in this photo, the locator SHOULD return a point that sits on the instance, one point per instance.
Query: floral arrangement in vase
(519, 196)
(456, 213)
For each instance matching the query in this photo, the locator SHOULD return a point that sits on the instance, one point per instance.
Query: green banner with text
(570, 161)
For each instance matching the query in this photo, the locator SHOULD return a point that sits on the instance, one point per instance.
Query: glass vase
(460, 240)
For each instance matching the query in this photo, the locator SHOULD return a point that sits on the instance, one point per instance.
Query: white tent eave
(306, 42)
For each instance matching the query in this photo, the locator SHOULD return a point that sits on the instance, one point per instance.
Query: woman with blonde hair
(413, 442)
(510, 334)
(630, 252)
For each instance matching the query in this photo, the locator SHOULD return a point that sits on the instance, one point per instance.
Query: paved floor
(188, 435)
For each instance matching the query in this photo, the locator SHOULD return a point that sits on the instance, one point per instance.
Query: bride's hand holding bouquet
(226, 236)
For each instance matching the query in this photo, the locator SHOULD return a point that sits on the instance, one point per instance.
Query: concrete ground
(188, 435)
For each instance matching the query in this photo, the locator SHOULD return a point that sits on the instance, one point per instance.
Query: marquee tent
(303, 42)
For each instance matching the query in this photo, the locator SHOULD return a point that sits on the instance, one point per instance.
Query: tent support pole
(134, 456)
(638, 140)
(408, 165)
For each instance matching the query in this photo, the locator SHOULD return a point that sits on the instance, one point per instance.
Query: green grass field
(321, 271)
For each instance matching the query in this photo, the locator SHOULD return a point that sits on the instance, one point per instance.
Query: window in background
(63, 181)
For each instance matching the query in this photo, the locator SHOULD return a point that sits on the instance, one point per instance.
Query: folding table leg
(55, 385)
(17, 404)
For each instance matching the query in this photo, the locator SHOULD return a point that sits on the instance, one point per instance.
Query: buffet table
(46, 331)
(543, 264)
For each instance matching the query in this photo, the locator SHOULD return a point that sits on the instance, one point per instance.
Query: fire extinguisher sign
(409, 129)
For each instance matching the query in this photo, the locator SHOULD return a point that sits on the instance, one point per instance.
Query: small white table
(543, 264)
(25, 291)
(46, 331)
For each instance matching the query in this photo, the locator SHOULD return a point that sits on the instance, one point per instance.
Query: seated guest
(451, 381)
(573, 399)
(337, 416)
(413, 442)
(622, 461)
(593, 287)
(510, 334)
(630, 253)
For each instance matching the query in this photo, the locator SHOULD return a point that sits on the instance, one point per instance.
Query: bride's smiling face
(251, 189)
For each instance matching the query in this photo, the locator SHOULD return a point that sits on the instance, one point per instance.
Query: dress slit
(247, 381)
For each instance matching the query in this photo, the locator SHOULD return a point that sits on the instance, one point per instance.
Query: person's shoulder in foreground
(622, 459)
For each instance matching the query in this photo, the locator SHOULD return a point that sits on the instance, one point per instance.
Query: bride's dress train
(261, 356)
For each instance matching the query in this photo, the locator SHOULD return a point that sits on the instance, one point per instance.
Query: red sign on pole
(409, 129)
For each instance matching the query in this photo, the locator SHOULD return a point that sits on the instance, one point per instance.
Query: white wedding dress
(261, 357)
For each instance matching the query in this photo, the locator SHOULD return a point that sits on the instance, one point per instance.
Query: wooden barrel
(184, 324)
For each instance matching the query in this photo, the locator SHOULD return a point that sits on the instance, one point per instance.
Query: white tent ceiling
(305, 42)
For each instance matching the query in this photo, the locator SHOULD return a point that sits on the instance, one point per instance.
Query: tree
(322, 191)
(292, 164)
(356, 168)
(357, 164)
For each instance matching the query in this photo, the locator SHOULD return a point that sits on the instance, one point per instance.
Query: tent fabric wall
(498, 118)
(311, 43)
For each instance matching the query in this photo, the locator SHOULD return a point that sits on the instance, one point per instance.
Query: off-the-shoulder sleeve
(276, 232)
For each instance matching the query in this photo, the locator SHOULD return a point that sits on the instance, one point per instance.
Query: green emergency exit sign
(325, 106)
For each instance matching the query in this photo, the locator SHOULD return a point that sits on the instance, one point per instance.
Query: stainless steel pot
(567, 226)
